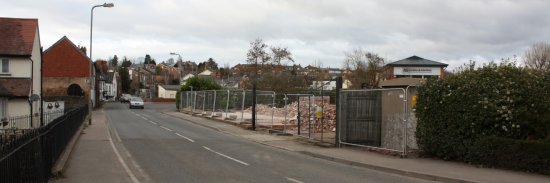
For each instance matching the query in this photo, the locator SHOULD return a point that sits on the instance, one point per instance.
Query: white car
(136, 102)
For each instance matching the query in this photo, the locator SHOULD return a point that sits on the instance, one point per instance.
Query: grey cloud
(314, 30)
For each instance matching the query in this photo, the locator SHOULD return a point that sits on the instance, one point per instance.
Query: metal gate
(363, 118)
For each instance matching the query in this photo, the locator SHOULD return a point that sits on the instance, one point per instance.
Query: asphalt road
(168, 149)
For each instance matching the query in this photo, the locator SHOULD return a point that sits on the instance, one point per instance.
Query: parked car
(136, 102)
(125, 98)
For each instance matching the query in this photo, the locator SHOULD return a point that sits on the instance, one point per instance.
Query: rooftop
(417, 61)
(17, 36)
(14, 87)
(171, 87)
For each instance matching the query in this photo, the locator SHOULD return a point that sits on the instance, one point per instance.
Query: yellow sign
(319, 112)
(414, 101)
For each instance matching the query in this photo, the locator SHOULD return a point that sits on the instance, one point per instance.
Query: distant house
(184, 79)
(111, 86)
(187, 67)
(66, 71)
(168, 91)
(415, 67)
(101, 71)
(168, 75)
(206, 73)
(324, 85)
(20, 69)
(142, 82)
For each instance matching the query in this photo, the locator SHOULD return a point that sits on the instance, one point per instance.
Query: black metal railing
(29, 155)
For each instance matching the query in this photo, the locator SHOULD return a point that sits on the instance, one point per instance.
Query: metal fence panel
(373, 118)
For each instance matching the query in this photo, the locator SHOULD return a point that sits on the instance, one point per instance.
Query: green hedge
(503, 101)
(532, 156)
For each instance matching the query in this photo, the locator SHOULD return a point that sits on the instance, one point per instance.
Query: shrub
(197, 84)
(504, 101)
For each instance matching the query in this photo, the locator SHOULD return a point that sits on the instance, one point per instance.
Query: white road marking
(152, 122)
(226, 156)
(144, 118)
(132, 176)
(168, 129)
(293, 180)
(185, 137)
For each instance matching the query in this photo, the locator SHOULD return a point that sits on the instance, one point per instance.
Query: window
(5, 66)
(3, 108)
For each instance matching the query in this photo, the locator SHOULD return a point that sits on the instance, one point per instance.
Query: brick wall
(57, 86)
(64, 59)
(159, 100)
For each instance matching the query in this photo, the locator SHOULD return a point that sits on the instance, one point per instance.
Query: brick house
(66, 70)
(20, 77)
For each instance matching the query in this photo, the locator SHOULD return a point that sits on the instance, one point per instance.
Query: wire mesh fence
(310, 114)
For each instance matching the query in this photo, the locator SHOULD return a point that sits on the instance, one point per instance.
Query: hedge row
(457, 114)
(531, 156)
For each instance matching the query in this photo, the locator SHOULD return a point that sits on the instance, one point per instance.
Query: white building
(111, 86)
(168, 91)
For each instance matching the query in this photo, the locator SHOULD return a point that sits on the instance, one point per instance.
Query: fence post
(242, 107)
(339, 84)
(404, 154)
(254, 105)
(203, 100)
(227, 104)
(299, 117)
(194, 102)
(214, 106)
(286, 113)
(273, 110)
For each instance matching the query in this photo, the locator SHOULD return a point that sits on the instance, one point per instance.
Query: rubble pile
(308, 116)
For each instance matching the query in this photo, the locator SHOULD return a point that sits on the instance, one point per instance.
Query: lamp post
(181, 72)
(107, 5)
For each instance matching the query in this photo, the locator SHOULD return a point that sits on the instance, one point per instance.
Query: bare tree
(279, 54)
(256, 54)
(538, 57)
(365, 68)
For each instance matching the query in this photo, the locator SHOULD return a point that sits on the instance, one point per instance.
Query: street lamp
(107, 5)
(172, 53)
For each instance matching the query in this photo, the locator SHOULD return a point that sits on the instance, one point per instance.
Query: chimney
(83, 49)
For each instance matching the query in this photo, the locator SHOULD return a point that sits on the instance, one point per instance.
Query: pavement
(95, 157)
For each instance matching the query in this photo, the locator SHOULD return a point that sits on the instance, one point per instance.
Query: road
(169, 149)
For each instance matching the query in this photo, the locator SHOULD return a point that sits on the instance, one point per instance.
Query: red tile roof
(65, 59)
(15, 87)
(17, 36)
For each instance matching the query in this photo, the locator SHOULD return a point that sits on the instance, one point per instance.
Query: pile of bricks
(308, 116)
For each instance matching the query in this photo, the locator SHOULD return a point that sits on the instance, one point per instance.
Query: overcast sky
(315, 31)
